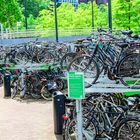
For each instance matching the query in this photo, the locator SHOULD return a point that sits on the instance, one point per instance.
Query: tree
(35, 6)
(68, 18)
(126, 14)
(10, 12)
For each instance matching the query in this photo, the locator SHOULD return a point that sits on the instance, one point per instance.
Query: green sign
(76, 85)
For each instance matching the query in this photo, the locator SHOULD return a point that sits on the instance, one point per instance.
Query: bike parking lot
(109, 84)
(70, 70)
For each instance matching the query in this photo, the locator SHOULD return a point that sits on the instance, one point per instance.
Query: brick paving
(26, 120)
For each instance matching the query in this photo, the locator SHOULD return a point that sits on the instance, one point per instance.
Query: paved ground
(26, 120)
(23, 40)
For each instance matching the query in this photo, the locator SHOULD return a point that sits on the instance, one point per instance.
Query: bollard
(139, 62)
(7, 88)
(58, 111)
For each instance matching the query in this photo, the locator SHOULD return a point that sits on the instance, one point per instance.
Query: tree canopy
(10, 12)
(126, 14)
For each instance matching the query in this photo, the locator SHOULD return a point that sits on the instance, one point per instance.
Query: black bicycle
(123, 65)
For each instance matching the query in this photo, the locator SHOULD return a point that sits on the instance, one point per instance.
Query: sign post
(110, 15)
(92, 15)
(76, 91)
(56, 20)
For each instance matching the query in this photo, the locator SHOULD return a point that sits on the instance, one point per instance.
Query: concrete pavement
(26, 120)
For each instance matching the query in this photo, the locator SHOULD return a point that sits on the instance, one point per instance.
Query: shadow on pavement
(32, 100)
(59, 137)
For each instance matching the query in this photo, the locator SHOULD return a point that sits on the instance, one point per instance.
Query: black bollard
(58, 111)
(139, 61)
(7, 88)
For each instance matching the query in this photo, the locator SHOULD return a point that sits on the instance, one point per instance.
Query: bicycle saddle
(127, 32)
(123, 45)
(89, 39)
(136, 36)
(81, 45)
(86, 41)
(80, 40)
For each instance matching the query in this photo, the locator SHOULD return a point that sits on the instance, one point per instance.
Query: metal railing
(44, 33)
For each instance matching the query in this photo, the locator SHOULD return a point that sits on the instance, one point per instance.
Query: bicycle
(124, 66)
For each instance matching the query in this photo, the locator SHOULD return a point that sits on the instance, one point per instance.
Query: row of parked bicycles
(106, 116)
(114, 55)
(36, 82)
(33, 68)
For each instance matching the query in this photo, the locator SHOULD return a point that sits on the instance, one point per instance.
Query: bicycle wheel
(45, 93)
(45, 57)
(35, 91)
(21, 58)
(66, 59)
(129, 71)
(129, 130)
(14, 89)
(1, 81)
(90, 69)
(60, 84)
(89, 130)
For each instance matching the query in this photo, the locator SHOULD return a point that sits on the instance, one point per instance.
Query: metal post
(7, 88)
(110, 15)
(23, 83)
(129, 15)
(92, 15)
(25, 14)
(79, 119)
(56, 21)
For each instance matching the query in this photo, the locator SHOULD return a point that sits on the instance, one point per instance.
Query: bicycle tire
(60, 84)
(127, 70)
(87, 65)
(70, 133)
(45, 93)
(126, 132)
(14, 89)
(64, 60)
(35, 90)
(46, 57)
(21, 58)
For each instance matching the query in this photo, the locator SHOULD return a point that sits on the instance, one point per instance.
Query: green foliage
(69, 18)
(126, 15)
(31, 20)
(10, 12)
(34, 6)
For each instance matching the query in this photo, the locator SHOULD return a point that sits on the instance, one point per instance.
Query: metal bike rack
(104, 86)
(23, 68)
